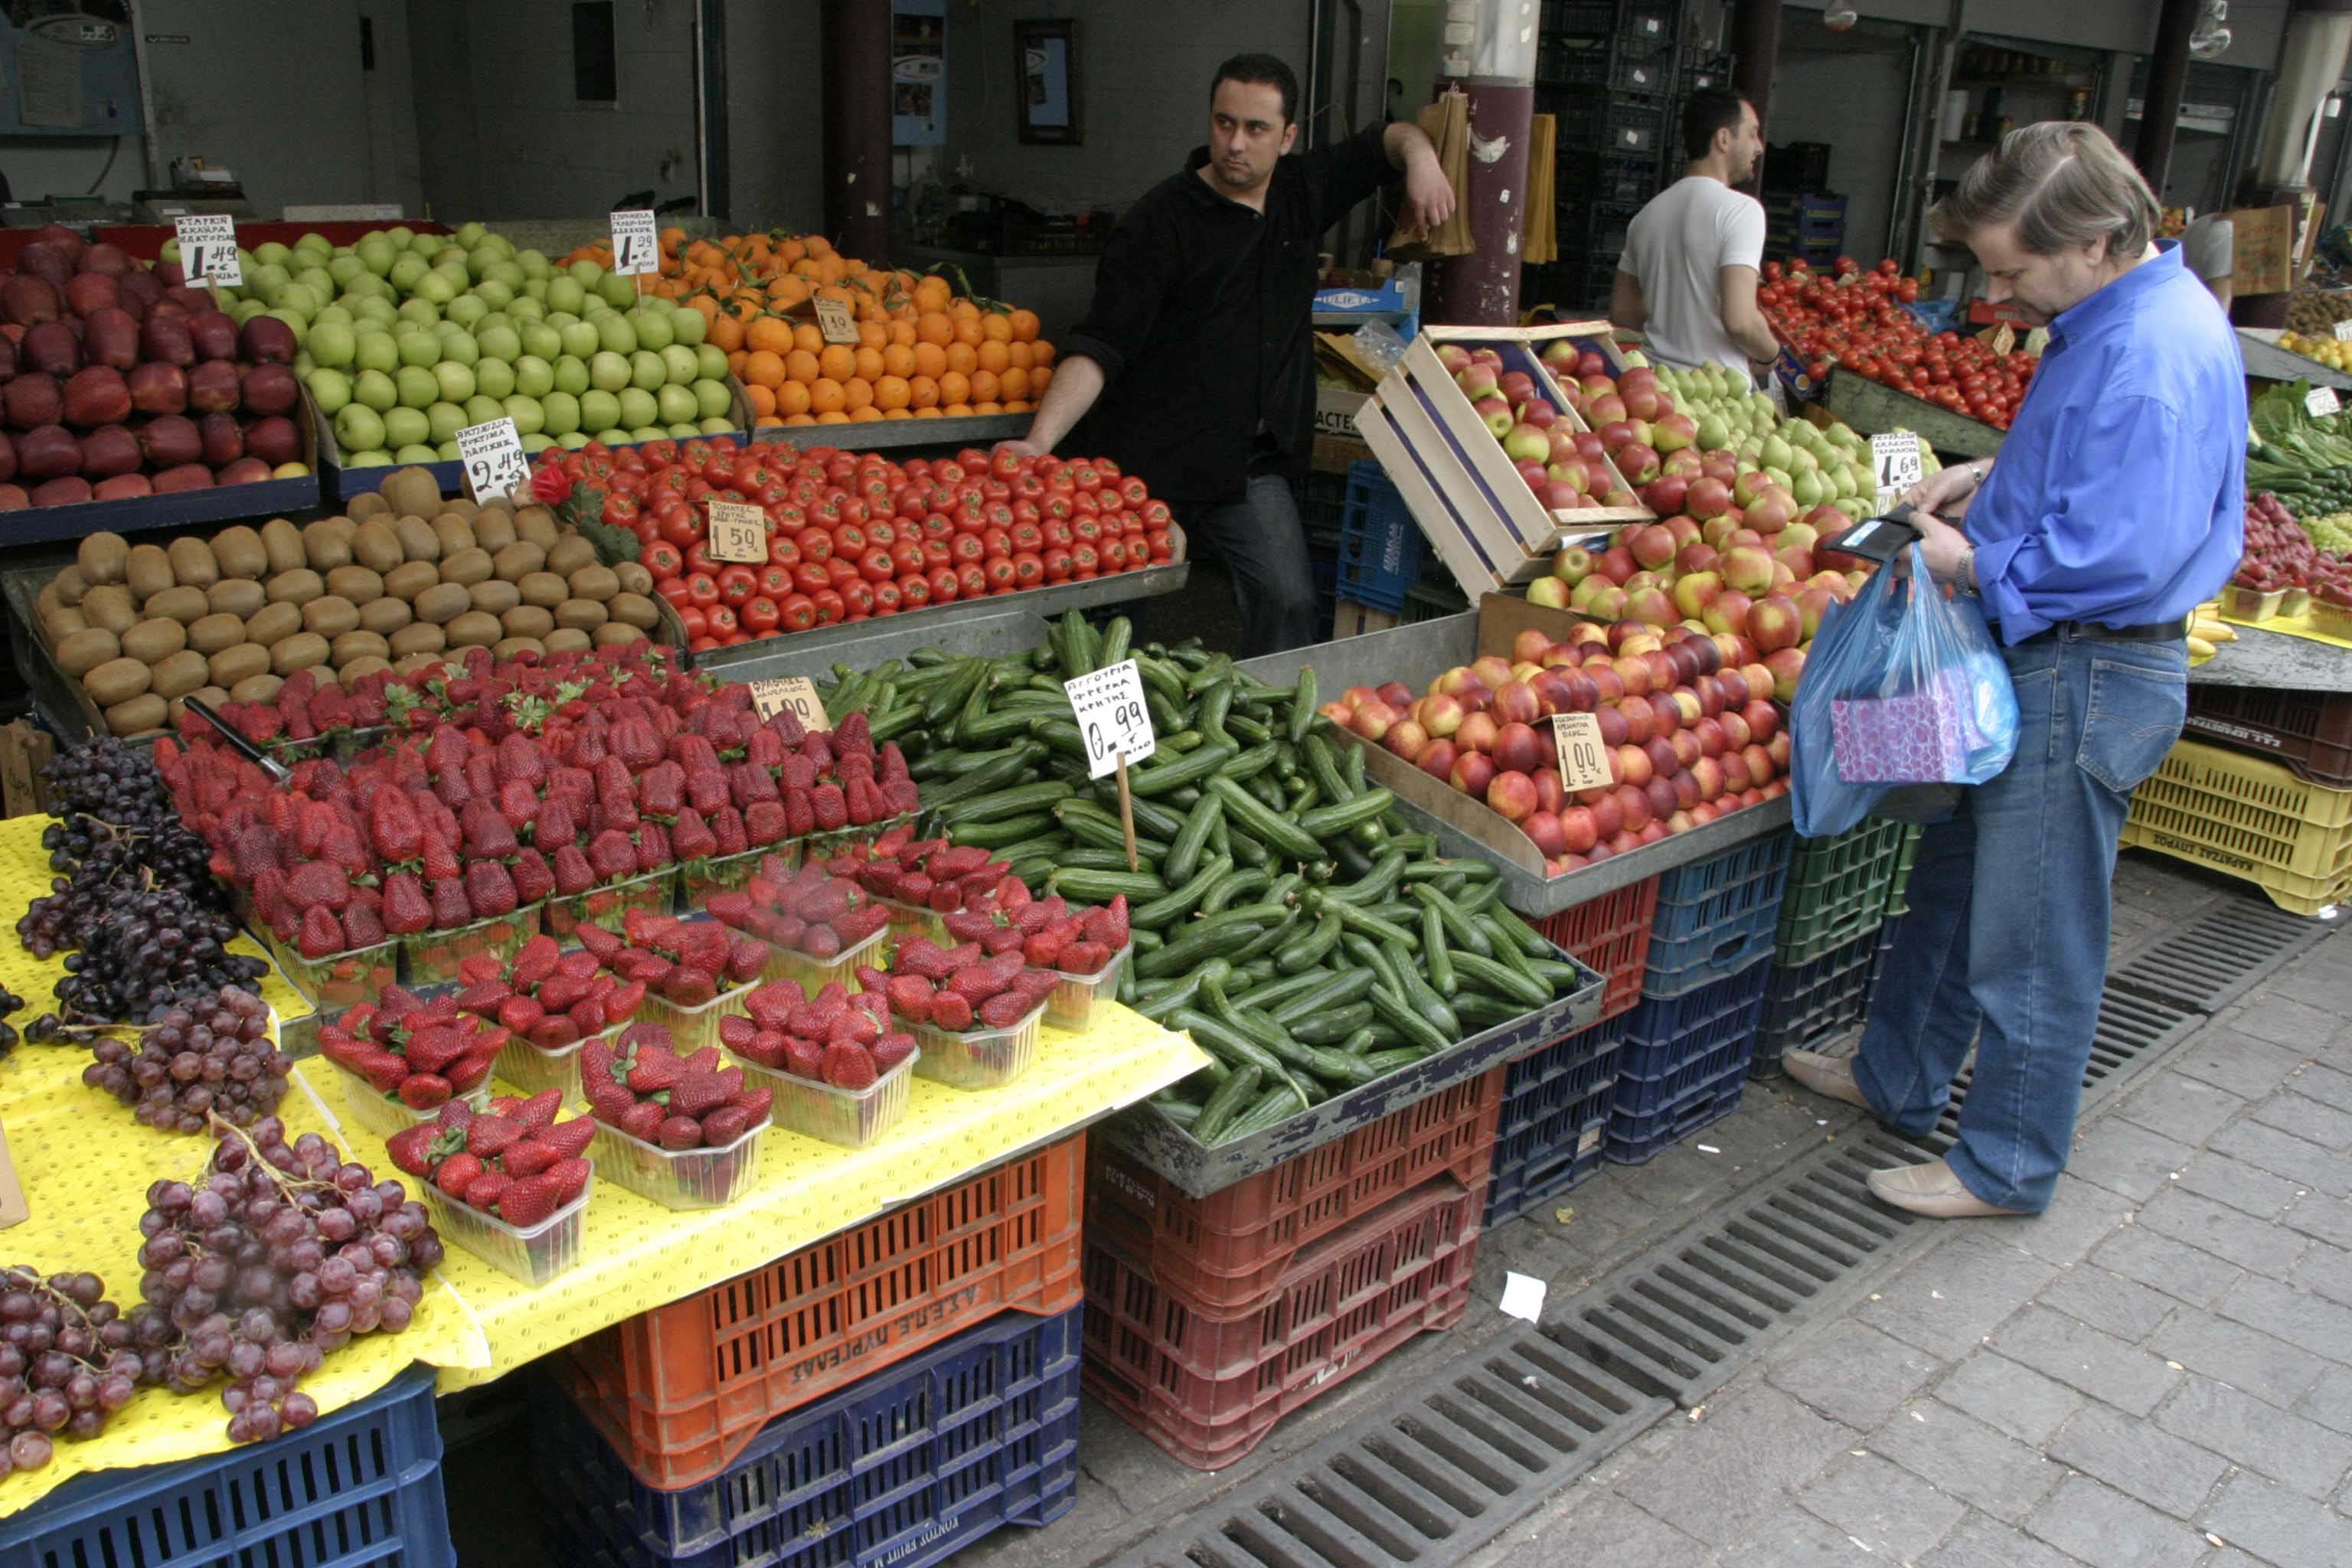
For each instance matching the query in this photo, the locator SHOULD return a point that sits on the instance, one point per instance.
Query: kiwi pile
(405, 577)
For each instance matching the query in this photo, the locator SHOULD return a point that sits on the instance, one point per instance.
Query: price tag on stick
(208, 248)
(836, 320)
(492, 455)
(795, 692)
(1112, 717)
(1895, 457)
(2344, 330)
(739, 531)
(1584, 759)
(636, 243)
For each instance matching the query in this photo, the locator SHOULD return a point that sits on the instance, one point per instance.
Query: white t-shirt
(1678, 249)
(2209, 247)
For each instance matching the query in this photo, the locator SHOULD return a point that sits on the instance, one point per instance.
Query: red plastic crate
(1227, 1250)
(1209, 1389)
(683, 1389)
(1610, 935)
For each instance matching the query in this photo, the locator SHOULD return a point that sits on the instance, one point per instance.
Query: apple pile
(117, 380)
(1566, 467)
(1686, 719)
(1817, 466)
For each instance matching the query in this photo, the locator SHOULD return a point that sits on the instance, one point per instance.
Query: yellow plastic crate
(2297, 895)
(2249, 818)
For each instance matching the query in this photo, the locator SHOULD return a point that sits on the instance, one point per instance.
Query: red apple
(1635, 801)
(1406, 738)
(1579, 830)
(1472, 774)
(1436, 759)
(1544, 828)
(1763, 720)
(1663, 802)
(1787, 667)
(1492, 672)
(1476, 734)
(1775, 622)
(1373, 718)
(1518, 748)
(1551, 794)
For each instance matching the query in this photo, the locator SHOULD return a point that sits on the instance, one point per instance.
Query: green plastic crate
(1898, 906)
(1840, 888)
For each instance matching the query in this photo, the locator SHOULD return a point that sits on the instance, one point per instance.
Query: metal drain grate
(2223, 954)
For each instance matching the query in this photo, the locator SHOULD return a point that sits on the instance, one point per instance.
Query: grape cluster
(151, 949)
(276, 1257)
(10, 1003)
(212, 1058)
(68, 1359)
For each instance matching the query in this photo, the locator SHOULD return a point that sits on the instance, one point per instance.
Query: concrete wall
(774, 159)
(2255, 25)
(1828, 83)
(395, 168)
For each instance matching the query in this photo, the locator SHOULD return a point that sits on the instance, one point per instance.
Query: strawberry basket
(339, 981)
(1072, 1002)
(912, 920)
(678, 1178)
(851, 1118)
(433, 956)
(608, 907)
(694, 1028)
(698, 879)
(976, 1058)
(388, 1113)
(534, 1068)
(812, 974)
(533, 1254)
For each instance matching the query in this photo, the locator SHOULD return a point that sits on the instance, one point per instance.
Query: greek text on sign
(2321, 401)
(637, 244)
(492, 454)
(1895, 458)
(1584, 759)
(797, 693)
(835, 319)
(208, 248)
(1112, 717)
(739, 531)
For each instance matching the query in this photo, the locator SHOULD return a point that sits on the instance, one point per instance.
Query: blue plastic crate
(1807, 1005)
(358, 1486)
(1380, 547)
(1683, 964)
(904, 1467)
(1555, 1111)
(1674, 1043)
(1696, 900)
(1636, 1140)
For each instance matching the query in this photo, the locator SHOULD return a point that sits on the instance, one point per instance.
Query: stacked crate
(1844, 896)
(1612, 73)
(2247, 818)
(1807, 226)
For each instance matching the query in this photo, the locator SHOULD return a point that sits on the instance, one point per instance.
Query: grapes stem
(285, 1184)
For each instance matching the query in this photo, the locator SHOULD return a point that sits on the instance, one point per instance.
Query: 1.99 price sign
(1112, 718)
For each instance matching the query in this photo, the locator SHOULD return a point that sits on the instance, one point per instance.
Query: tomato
(698, 558)
(799, 613)
(662, 559)
(1086, 504)
(970, 516)
(679, 526)
(1156, 514)
(1027, 536)
(972, 580)
(945, 584)
(1005, 465)
(938, 553)
(914, 591)
(1057, 531)
(1057, 564)
(1114, 555)
(830, 607)
(884, 534)
(967, 547)
(1028, 569)
(1132, 492)
(674, 590)
(701, 590)
(1030, 486)
(1162, 547)
(738, 583)
(620, 511)
(1087, 530)
(949, 472)
(1001, 578)
(995, 543)
(811, 577)
(842, 571)
(876, 565)
(760, 614)
(1086, 476)
(1084, 560)
(885, 597)
(817, 545)
(723, 623)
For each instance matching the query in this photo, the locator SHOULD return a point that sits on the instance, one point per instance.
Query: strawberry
(831, 806)
(456, 1173)
(610, 1102)
(411, 1148)
(727, 827)
(440, 860)
(533, 878)
(725, 1125)
(490, 1136)
(976, 982)
(922, 957)
(643, 1120)
(554, 826)
(1045, 948)
(406, 909)
(434, 1046)
(484, 1189)
(800, 813)
(911, 997)
(812, 1019)
(1003, 1011)
(1083, 957)
(890, 1050)
(688, 987)
(699, 1093)
(849, 1066)
(574, 873)
(322, 933)
(766, 821)
(538, 1113)
(527, 1157)
(679, 1132)
(736, 1032)
(530, 1201)
(951, 1010)
(424, 1091)
(568, 1138)
(804, 1058)
(756, 1103)
(451, 907)
(656, 1070)
(489, 890)
(571, 1178)
(470, 1073)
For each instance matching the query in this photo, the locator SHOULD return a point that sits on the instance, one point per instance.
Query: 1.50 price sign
(1112, 717)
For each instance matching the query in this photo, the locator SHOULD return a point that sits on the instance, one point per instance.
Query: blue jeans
(2006, 944)
(1264, 547)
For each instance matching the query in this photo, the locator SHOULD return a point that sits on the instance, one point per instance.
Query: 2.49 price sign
(1109, 706)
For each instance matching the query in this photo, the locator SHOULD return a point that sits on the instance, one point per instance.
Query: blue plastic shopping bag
(1903, 688)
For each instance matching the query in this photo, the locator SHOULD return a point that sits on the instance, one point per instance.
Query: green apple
(436, 287)
(586, 274)
(338, 312)
(319, 281)
(534, 292)
(541, 340)
(377, 458)
(446, 420)
(599, 410)
(407, 426)
(246, 309)
(562, 412)
(710, 365)
(270, 253)
(505, 274)
(400, 234)
(680, 364)
(446, 451)
(420, 311)
(618, 334)
(676, 403)
(294, 319)
(571, 375)
(420, 347)
(527, 416)
(373, 301)
(716, 425)
(564, 293)
(653, 328)
(572, 440)
(497, 294)
(343, 268)
(481, 410)
(358, 428)
(608, 372)
(638, 407)
(714, 400)
(376, 350)
(468, 311)
(265, 279)
(581, 339)
(613, 436)
(537, 442)
(330, 389)
(494, 377)
(646, 371)
(376, 253)
(651, 433)
(374, 390)
(532, 262)
(416, 386)
(458, 344)
(691, 326)
(332, 343)
(456, 381)
(683, 430)
(534, 377)
(500, 343)
(417, 453)
(616, 290)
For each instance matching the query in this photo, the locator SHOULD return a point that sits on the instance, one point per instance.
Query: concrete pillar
(1489, 50)
(2167, 76)
(856, 53)
(1755, 53)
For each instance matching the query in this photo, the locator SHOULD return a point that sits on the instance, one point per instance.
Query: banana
(2212, 630)
(2200, 650)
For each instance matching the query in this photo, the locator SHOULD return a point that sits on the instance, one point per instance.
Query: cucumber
(1012, 801)
(1169, 904)
(1191, 768)
(1183, 856)
(1501, 979)
(1094, 885)
(1302, 706)
(1270, 827)
(1230, 1098)
(1330, 821)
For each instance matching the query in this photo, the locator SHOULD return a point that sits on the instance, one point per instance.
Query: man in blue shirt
(2115, 508)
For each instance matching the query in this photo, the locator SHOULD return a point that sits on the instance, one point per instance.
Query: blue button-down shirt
(2119, 496)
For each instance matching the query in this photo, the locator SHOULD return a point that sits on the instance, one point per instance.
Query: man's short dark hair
(1709, 110)
(1260, 70)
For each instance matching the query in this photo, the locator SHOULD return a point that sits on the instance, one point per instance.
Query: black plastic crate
(1555, 1113)
(1809, 1006)
(1617, 123)
(1602, 62)
(2310, 731)
(1585, 176)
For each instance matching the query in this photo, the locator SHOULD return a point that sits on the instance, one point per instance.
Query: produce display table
(2275, 661)
(86, 1165)
(1873, 409)
(2266, 361)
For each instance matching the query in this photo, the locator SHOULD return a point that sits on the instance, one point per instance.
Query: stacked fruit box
(1844, 890)
(2247, 818)
(1555, 1117)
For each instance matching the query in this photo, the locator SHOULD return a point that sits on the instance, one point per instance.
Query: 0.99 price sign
(1111, 717)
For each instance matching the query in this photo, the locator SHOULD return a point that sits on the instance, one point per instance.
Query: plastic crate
(359, 1485)
(1555, 1111)
(384, 1115)
(1637, 1140)
(1236, 1245)
(1637, 65)
(2309, 732)
(1716, 917)
(1380, 548)
(432, 957)
(2249, 818)
(1584, 176)
(608, 907)
(1673, 1043)
(1839, 888)
(1432, 601)
(1813, 208)
(904, 1467)
(1610, 935)
(1603, 121)
(812, 974)
(1807, 1005)
(1208, 1390)
(1898, 887)
(683, 1389)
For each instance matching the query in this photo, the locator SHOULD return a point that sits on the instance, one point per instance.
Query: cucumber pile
(1282, 914)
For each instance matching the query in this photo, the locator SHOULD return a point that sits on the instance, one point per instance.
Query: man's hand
(1945, 492)
(1428, 193)
(1021, 448)
(1942, 544)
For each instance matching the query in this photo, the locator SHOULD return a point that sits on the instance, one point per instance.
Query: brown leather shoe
(1832, 1075)
(1934, 1190)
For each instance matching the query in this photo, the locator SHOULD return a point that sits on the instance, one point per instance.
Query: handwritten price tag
(797, 693)
(637, 244)
(2344, 330)
(1895, 459)
(209, 247)
(739, 531)
(2322, 401)
(1584, 759)
(492, 455)
(836, 320)
(1112, 717)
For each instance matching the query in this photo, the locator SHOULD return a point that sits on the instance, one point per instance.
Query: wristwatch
(1964, 576)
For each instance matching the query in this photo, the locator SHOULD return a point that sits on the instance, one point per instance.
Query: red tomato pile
(853, 534)
(1855, 320)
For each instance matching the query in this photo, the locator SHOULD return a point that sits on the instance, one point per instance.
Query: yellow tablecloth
(86, 1166)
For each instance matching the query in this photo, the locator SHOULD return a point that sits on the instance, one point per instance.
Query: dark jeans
(2006, 944)
(1264, 547)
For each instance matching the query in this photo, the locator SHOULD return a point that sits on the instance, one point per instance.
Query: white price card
(1583, 757)
(739, 531)
(2322, 401)
(1112, 717)
(492, 455)
(208, 248)
(2344, 329)
(637, 244)
(1894, 458)
(792, 693)
(836, 320)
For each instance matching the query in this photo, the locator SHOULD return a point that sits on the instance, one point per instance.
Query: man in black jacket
(1193, 367)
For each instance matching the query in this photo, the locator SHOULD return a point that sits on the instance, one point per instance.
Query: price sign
(836, 320)
(2005, 339)
(739, 531)
(209, 247)
(1584, 759)
(637, 244)
(1112, 717)
(793, 693)
(1895, 457)
(492, 455)
(2344, 330)
(2322, 401)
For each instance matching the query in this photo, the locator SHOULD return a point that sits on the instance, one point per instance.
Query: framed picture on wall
(1045, 96)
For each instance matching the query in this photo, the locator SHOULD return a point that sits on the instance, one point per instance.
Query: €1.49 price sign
(208, 248)
(1111, 717)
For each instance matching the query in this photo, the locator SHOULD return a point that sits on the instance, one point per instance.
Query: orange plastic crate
(681, 1390)
(1609, 934)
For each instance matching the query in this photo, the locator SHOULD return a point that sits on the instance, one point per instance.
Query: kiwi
(634, 578)
(494, 596)
(325, 675)
(87, 649)
(327, 543)
(60, 622)
(566, 639)
(151, 642)
(184, 604)
(494, 530)
(238, 597)
(423, 637)
(418, 539)
(357, 583)
(180, 674)
(260, 687)
(519, 560)
(368, 507)
(475, 628)
(597, 582)
(385, 615)
(634, 609)
(442, 603)
(359, 668)
(300, 651)
(358, 644)
(410, 664)
(464, 507)
(238, 662)
(109, 606)
(544, 589)
(117, 680)
(410, 578)
(240, 554)
(210, 696)
(528, 621)
(298, 585)
(210, 633)
(273, 622)
(103, 558)
(536, 525)
(192, 565)
(508, 647)
(466, 567)
(147, 570)
(613, 633)
(138, 715)
(411, 492)
(570, 553)
(331, 616)
(70, 586)
(375, 546)
(583, 614)
(454, 532)
(282, 542)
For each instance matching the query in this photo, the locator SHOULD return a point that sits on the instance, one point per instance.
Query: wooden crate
(25, 751)
(1467, 497)
(1873, 408)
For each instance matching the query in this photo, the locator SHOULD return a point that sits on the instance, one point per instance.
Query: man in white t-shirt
(1693, 256)
(2209, 248)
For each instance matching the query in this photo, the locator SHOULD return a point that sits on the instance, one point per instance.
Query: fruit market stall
(2272, 356)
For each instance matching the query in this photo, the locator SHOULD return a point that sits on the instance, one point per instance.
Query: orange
(791, 398)
(816, 244)
(806, 338)
(1014, 383)
(1019, 356)
(929, 359)
(761, 399)
(827, 396)
(800, 419)
(864, 415)
(1024, 326)
(927, 413)
(954, 387)
(899, 360)
(933, 293)
(957, 411)
(837, 362)
(1039, 380)
(857, 393)
(763, 369)
(934, 327)
(995, 328)
(725, 333)
(984, 386)
(892, 392)
(902, 330)
(993, 355)
(989, 406)
(963, 310)
(966, 330)
(923, 393)
(735, 362)
(1042, 352)
(772, 333)
(790, 250)
(897, 414)
(1018, 406)
(869, 362)
(802, 366)
(835, 417)
(962, 357)
(766, 422)
(872, 334)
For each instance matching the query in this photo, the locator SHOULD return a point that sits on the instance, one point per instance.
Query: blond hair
(2065, 185)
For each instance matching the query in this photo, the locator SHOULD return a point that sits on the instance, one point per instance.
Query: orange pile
(923, 351)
